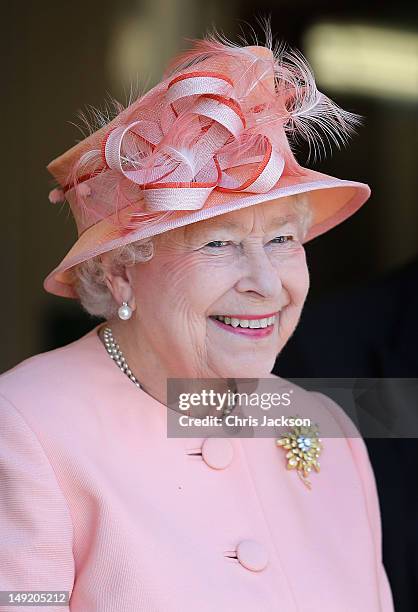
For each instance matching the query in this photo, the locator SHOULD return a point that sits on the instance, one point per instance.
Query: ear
(120, 283)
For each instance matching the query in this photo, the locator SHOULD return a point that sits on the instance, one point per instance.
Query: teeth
(251, 323)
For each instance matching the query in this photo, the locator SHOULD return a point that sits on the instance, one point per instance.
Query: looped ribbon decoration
(200, 135)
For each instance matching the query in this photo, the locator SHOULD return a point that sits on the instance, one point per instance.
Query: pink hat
(210, 138)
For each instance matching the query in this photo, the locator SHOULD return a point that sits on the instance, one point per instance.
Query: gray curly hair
(89, 276)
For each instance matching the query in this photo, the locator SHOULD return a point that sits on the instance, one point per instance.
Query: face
(247, 267)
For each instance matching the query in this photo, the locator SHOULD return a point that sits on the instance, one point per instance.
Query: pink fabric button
(252, 555)
(217, 452)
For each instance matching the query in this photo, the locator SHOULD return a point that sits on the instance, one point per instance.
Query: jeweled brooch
(304, 447)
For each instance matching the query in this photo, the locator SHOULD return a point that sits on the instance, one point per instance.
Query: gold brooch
(304, 448)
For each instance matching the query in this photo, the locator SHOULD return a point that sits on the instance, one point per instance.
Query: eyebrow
(274, 222)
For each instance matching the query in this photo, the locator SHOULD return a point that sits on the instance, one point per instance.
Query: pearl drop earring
(125, 311)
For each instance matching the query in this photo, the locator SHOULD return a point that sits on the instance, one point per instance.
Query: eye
(282, 239)
(217, 243)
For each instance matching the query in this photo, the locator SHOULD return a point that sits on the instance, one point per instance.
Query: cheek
(298, 285)
(295, 282)
(188, 284)
(294, 275)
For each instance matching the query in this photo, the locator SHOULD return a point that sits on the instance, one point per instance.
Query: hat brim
(332, 201)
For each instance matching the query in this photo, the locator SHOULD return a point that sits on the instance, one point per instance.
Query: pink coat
(96, 500)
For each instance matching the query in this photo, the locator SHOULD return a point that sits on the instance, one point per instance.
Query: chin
(260, 368)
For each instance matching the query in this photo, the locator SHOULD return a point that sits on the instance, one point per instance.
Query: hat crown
(59, 167)
(214, 122)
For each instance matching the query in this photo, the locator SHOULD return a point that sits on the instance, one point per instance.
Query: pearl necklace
(116, 354)
(118, 357)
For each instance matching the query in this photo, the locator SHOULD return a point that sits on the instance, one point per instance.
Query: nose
(259, 276)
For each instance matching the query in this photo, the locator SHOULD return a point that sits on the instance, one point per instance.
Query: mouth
(252, 326)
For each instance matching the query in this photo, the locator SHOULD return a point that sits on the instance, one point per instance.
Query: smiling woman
(192, 214)
(231, 266)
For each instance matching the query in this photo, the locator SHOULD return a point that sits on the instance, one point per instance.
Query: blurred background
(360, 316)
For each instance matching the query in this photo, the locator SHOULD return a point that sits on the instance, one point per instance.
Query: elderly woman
(192, 213)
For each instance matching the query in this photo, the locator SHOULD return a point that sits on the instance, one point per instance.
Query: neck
(147, 366)
(142, 363)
